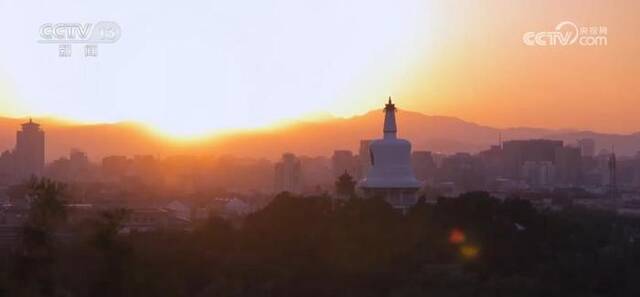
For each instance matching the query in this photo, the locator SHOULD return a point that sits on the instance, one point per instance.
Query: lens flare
(456, 236)
(469, 251)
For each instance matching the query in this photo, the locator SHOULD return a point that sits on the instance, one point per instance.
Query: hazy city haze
(435, 133)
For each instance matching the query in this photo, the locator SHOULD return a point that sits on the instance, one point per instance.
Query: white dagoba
(391, 175)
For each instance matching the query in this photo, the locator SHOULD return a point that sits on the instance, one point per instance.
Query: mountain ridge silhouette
(305, 137)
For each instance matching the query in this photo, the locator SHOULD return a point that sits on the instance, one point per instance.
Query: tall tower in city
(29, 150)
(613, 177)
(587, 147)
(391, 176)
(288, 174)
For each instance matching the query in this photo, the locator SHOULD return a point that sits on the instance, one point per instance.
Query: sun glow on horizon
(223, 65)
(205, 67)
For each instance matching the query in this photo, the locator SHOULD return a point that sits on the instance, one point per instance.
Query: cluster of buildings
(515, 166)
(387, 167)
(118, 182)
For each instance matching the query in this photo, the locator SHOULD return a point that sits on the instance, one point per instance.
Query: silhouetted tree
(115, 253)
(345, 185)
(46, 213)
(472, 245)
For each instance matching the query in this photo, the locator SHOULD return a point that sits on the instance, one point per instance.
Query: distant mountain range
(319, 137)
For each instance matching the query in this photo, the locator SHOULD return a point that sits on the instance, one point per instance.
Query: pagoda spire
(390, 128)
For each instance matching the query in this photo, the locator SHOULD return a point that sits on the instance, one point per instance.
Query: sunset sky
(194, 67)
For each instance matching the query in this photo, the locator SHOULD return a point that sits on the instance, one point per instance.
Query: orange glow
(271, 63)
(482, 72)
(456, 236)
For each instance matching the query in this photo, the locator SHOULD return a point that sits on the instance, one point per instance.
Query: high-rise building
(344, 161)
(568, 164)
(391, 175)
(317, 174)
(613, 176)
(636, 170)
(539, 173)
(516, 152)
(587, 147)
(464, 171)
(288, 174)
(75, 168)
(364, 158)
(423, 165)
(493, 162)
(115, 166)
(29, 151)
(7, 172)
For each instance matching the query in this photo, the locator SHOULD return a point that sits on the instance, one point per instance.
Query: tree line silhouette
(472, 245)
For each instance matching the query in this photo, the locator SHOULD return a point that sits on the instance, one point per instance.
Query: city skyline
(319, 148)
(434, 133)
(386, 167)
